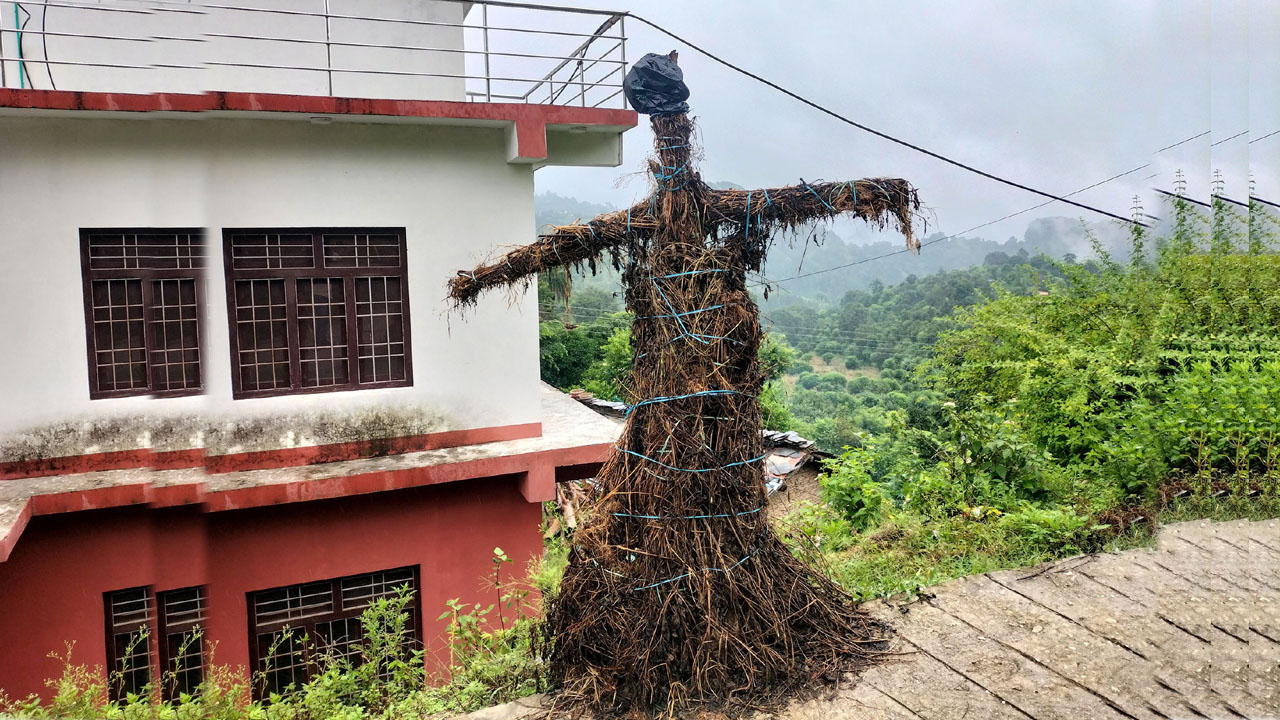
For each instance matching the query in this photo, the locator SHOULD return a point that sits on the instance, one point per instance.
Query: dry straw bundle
(678, 591)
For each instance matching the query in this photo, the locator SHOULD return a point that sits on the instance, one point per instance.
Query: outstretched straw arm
(563, 246)
(875, 200)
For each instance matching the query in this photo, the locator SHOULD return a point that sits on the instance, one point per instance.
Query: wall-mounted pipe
(22, 83)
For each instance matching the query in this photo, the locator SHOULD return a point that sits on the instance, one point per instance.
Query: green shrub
(1046, 529)
(848, 489)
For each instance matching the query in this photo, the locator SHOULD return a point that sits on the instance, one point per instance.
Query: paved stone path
(1189, 629)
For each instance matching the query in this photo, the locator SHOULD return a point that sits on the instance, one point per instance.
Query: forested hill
(1056, 237)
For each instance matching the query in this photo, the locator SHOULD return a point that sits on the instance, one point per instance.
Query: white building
(227, 235)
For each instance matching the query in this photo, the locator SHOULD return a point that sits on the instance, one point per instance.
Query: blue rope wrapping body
(815, 194)
(674, 171)
(704, 339)
(688, 272)
(746, 229)
(691, 572)
(681, 314)
(693, 470)
(668, 580)
(687, 517)
(697, 336)
(683, 329)
(661, 176)
(662, 399)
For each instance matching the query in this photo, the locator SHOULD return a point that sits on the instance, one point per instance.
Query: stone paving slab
(1189, 629)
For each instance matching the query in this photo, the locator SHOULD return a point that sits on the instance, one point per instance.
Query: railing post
(622, 30)
(484, 25)
(328, 48)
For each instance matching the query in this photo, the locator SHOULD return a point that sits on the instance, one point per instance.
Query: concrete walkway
(1190, 629)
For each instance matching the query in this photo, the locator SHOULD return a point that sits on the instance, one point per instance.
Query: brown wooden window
(130, 616)
(181, 642)
(293, 627)
(142, 310)
(317, 310)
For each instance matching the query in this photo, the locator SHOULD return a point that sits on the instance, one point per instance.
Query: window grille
(297, 628)
(182, 615)
(142, 311)
(317, 310)
(130, 616)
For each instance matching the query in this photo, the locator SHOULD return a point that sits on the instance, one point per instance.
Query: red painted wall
(51, 587)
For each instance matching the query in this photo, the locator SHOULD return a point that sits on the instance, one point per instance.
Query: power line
(1166, 193)
(877, 133)
(1264, 137)
(1001, 219)
(1227, 139)
(872, 337)
(1182, 142)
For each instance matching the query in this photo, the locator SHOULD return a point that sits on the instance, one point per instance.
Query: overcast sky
(1058, 95)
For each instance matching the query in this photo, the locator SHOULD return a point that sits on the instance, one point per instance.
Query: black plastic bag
(655, 86)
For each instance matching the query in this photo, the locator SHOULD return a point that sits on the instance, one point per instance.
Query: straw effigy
(678, 592)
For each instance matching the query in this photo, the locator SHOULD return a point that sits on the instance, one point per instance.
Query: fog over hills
(817, 249)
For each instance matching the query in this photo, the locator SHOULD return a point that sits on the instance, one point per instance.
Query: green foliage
(849, 490)
(567, 353)
(1070, 396)
(825, 528)
(1049, 530)
(607, 377)
(775, 414)
(776, 356)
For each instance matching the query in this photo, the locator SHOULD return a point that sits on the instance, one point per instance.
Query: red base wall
(51, 587)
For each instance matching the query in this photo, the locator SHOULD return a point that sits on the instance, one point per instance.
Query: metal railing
(524, 57)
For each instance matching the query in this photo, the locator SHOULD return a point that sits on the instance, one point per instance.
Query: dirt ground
(802, 485)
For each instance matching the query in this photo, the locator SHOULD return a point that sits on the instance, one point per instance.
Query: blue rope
(746, 230)
(687, 517)
(668, 580)
(686, 312)
(684, 330)
(708, 569)
(702, 393)
(697, 336)
(693, 470)
(824, 202)
(628, 221)
(688, 272)
(674, 171)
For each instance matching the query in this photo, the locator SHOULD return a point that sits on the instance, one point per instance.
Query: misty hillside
(819, 249)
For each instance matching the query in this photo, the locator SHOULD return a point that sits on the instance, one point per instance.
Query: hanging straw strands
(759, 214)
(879, 201)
